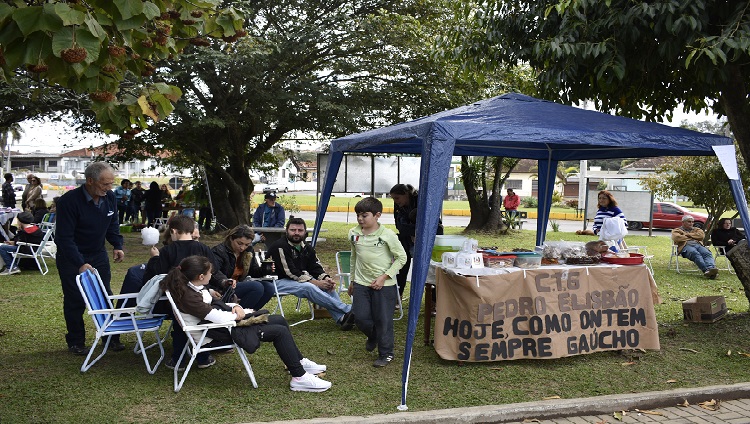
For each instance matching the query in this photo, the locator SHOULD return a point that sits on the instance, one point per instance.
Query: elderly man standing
(689, 241)
(301, 274)
(86, 217)
(25, 195)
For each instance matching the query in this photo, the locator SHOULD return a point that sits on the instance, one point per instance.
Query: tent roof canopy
(515, 125)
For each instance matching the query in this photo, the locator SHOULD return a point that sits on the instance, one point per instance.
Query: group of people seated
(207, 278)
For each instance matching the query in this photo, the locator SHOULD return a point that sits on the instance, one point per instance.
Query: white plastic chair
(676, 258)
(719, 253)
(643, 250)
(111, 321)
(196, 335)
(35, 251)
(280, 307)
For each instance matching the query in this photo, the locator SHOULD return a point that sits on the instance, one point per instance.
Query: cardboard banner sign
(545, 313)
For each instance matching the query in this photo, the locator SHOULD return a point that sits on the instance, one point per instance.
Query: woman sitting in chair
(187, 285)
(725, 235)
(239, 264)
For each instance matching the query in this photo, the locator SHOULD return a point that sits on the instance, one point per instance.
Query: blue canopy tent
(516, 126)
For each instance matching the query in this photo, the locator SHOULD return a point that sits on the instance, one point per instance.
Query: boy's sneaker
(207, 363)
(170, 364)
(370, 345)
(311, 367)
(9, 271)
(382, 361)
(309, 383)
(711, 273)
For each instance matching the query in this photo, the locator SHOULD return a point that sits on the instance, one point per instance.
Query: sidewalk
(661, 407)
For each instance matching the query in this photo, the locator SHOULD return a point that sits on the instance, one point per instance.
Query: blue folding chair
(110, 321)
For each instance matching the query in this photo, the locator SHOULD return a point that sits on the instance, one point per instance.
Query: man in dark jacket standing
(86, 217)
(301, 274)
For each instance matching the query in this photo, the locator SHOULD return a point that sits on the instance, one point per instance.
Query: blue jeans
(254, 294)
(6, 252)
(329, 300)
(700, 255)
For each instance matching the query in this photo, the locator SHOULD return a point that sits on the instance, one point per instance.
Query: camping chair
(110, 321)
(643, 250)
(48, 221)
(280, 308)
(721, 252)
(676, 258)
(343, 263)
(196, 335)
(35, 251)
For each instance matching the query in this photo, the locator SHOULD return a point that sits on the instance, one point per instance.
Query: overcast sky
(57, 138)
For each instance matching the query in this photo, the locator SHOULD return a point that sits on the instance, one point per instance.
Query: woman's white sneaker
(309, 383)
(311, 367)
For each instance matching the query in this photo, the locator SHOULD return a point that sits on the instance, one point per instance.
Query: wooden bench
(520, 219)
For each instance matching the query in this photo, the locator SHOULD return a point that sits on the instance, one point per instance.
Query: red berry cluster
(198, 41)
(102, 96)
(75, 54)
(116, 51)
(38, 68)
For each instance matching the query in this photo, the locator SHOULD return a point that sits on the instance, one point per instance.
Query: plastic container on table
(494, 261)
(529, 261)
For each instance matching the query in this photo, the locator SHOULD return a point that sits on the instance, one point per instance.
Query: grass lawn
(40, 381)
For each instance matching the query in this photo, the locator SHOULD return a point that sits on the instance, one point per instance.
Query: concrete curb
(550, 409)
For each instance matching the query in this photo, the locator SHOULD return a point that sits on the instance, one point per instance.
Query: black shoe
(382, 361)
(78, 350)
(116, 346)
(370, 345)
(347, 321)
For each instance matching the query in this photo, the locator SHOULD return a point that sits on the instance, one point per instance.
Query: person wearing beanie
(27, 233)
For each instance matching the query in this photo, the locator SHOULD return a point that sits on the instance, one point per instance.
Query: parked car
(669, 216)
(275, 189)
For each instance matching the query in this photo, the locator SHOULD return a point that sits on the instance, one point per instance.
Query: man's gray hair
(95, 170)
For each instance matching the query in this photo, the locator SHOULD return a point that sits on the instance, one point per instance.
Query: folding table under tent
(517, 126)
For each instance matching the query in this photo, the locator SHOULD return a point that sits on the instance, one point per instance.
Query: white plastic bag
(613, 229)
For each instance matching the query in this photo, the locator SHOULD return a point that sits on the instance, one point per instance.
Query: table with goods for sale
(487, 314)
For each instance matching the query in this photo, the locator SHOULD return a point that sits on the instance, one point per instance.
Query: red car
(669, 216)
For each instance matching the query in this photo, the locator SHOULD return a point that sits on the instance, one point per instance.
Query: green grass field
(40, 381)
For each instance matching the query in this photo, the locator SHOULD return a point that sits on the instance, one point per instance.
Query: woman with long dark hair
(237, 261)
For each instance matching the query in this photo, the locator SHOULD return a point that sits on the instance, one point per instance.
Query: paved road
(462, 221)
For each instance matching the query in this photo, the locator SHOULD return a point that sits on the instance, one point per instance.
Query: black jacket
(171, 255)
(227, 262)
(300, 265)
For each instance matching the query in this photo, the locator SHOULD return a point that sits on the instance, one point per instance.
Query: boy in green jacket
(377, 256)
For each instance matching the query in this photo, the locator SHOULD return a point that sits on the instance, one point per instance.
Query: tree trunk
(485, 210)
(740, 259)
(734, 102)
(229, 194)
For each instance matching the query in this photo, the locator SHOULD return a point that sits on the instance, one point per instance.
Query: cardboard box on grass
(704, 309)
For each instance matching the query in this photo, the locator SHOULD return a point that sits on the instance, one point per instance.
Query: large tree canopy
(93, 46)
(633, 57)
(321, 67)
